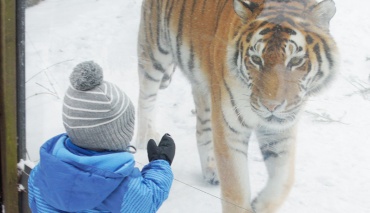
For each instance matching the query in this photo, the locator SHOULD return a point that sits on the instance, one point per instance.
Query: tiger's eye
(295, 61)
(257, 60)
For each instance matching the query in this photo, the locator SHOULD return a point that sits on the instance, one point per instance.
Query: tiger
(252, 65)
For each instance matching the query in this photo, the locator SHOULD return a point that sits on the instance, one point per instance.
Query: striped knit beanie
(97, 115)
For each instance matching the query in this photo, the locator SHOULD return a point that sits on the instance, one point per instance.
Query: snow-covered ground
(333, 160)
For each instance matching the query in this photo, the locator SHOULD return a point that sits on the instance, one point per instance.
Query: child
(91, 167)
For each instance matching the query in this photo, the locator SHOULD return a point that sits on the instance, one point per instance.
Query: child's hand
(165, 150)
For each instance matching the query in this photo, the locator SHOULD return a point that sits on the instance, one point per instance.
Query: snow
(332, 163)
(23, 163)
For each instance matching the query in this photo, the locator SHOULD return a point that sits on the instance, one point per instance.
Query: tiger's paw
(263, 207)
(210, 171)
(210, 175)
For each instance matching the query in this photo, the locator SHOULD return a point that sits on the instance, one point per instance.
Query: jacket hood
(73, 179)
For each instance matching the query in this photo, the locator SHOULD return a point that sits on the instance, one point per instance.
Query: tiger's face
(278, 64)
(282, 65)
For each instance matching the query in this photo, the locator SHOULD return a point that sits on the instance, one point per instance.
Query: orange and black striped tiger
(252, 64)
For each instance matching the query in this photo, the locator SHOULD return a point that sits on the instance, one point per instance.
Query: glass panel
(331, 166)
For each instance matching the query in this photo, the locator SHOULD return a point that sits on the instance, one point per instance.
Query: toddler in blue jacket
(91, 168)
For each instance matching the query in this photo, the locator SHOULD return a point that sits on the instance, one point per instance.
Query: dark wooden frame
(12, 103)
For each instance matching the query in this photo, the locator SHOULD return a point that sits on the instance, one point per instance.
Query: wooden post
(8, 105)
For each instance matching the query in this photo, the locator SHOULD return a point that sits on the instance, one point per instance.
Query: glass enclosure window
(332, 160)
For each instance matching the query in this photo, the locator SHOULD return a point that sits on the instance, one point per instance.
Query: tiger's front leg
(278, 151)
(231, 154)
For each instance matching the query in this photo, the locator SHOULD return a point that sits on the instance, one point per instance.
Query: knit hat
(97, 115)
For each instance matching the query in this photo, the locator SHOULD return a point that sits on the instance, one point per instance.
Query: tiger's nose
(272, 105)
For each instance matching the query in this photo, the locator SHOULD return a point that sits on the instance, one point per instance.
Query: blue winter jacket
(71, 179)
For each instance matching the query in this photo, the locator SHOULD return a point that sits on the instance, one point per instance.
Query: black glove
(165, 150)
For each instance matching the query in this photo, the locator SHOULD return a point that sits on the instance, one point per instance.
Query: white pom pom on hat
(86, 76)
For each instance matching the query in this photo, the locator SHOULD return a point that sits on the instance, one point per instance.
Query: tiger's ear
(323, 12)
(245, 8)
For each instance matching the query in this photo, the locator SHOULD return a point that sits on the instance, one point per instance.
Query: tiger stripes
(251, 64)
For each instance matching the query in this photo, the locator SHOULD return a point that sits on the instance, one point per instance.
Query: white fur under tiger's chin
(279, 124)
